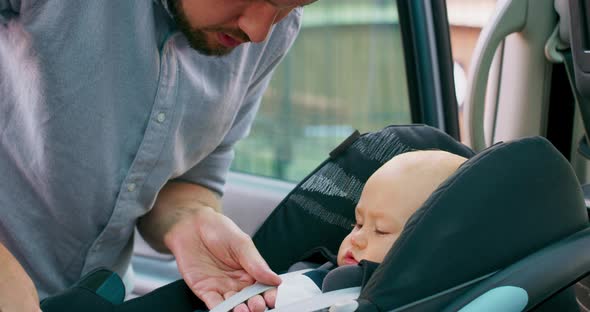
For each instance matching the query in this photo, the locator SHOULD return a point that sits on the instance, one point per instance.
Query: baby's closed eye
(381, 232)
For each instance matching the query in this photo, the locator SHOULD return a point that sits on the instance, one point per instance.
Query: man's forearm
(175, 202)
(17, 291)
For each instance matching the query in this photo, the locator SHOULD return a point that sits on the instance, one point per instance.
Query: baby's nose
(358, 240)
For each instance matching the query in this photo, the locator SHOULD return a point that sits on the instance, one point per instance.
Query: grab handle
(510, 18)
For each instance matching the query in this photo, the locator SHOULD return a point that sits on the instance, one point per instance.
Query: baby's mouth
(349, 259)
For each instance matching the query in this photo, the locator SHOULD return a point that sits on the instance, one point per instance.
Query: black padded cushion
(175, 296)
(77, 299)
(319, 212)
(501, 205)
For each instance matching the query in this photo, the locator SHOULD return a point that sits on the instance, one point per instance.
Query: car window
(345, 72)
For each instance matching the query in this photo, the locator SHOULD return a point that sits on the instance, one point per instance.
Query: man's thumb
(253, 263)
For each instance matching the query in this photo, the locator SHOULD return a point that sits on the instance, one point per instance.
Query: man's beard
(196, 37)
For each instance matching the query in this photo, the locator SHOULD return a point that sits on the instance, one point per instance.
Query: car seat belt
(582, 102)
(250, 292)
(343, 297)
(577, 61)
(584, 108)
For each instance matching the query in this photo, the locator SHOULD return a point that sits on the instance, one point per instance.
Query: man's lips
(227, 40)
(349, 258)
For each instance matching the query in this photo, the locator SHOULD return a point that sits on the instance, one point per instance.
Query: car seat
(508, 231)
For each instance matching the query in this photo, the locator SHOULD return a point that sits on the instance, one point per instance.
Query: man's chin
(207, 51)
(207, 47)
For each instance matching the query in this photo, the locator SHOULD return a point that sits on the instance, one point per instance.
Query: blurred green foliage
(345, 71)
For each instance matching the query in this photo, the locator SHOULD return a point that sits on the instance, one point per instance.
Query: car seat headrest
(499, 206)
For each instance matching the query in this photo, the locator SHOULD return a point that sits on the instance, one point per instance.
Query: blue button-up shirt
(102, 103)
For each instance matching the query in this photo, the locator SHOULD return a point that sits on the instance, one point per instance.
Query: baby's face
(383, 209)
(390, 197)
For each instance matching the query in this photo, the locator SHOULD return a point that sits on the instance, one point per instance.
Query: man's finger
(211, 299)
(229, 294)
(270, 297)
(242, 307)
(251, 260)
(256, 304)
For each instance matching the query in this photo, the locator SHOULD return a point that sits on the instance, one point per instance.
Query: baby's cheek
(384, 246)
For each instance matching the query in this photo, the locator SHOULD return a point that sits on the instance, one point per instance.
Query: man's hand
(216, 259)
(259, 303)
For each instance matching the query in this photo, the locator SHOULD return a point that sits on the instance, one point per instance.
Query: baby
(390, 196)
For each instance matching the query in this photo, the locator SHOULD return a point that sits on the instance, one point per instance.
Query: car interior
(507, 82)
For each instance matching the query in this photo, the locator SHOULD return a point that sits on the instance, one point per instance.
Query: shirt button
(161, 117)
(131, 187)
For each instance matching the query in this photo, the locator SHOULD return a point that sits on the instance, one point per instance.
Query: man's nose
(257, 20)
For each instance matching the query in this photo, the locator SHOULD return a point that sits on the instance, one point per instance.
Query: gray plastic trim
(509, 18)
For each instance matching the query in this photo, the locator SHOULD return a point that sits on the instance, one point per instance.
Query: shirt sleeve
(212, 171)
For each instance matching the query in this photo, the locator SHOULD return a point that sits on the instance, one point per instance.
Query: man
(109, 117)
